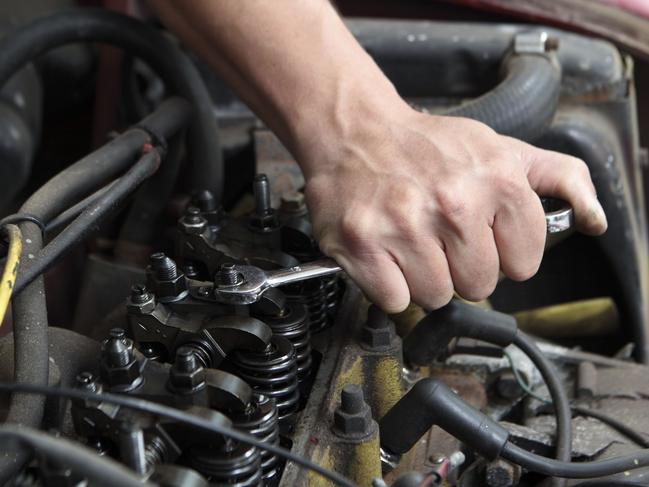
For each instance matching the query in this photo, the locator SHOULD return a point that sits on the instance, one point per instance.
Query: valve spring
(333, 293)
(293, 325)
(233, 464)
(310, 293)
(155, 452)
(261, 420)
(272, 372)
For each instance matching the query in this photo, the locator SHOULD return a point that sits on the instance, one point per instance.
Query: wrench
(251, 281)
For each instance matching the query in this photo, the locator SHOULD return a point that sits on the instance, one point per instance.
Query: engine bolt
(292, 202)
(205, 200)
(193, 215)
(353, 418)
(228, 275)
(117, 349)
(351, 399)
(261, 190)
(139, 294)
(185, 360)
(379, 332)
(164, 268)
(87, 382)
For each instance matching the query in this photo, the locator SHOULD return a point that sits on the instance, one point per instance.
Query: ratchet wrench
(251, 281)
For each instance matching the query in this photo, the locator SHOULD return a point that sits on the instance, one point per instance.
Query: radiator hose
(523, 104)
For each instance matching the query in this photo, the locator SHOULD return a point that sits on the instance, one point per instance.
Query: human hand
(418, 206)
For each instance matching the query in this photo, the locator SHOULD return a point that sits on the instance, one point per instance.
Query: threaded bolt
(186, 360)
(228, 275)
(205, 200)
(87, 382)
(117, 349)
(376, 318)
(261, 190)
(139, 294)
(351, 399)
(292, 202)
(165, 269)
(193, 215)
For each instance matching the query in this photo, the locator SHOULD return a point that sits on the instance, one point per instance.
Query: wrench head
(252, 284)
(559, 216)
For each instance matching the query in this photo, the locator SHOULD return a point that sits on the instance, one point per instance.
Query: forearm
(293, 61)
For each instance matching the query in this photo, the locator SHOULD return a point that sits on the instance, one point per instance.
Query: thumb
(552, 174)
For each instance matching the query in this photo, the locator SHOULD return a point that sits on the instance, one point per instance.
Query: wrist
(326, 134)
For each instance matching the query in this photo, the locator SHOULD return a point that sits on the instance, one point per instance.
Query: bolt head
(122, 378)
(141, 301)
(353, 418)
(292, 202)
(379, 339)
(167, 290)
(186, 375)
(193, 223)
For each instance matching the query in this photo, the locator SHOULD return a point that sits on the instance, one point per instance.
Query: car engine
(173, 321)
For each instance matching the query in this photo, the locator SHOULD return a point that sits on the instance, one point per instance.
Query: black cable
(22, 217)
(178, 415)
(63, 219)
(585, 470)
(100, 470)
(560, 401)
(139, 39)
(30, 321)
(87, 222)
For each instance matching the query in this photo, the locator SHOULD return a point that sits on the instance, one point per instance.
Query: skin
(412, 206)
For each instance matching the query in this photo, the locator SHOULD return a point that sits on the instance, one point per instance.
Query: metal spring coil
(272, 372)
(311, 294)
(333, 293)
(232, 464)
(261, 420)
(293, 324)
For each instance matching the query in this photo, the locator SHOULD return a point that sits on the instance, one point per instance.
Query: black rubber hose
(29, 307)
(576, 470)
(524, 102)
(147, 43)
(99, 470)
(560, 401)
(90, 218)
(62, 220)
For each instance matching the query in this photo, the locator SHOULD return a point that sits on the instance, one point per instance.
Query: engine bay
(173, 321)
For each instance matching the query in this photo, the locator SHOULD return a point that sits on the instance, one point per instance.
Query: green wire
(521, 382)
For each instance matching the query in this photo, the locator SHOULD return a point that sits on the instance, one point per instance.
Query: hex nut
(187, 382)
(193, 224)
(353, 418)
(143, 308)
(378, 338)
(122, 378)
(167, 290)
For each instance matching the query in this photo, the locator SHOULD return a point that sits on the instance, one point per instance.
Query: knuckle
(450, 204)
(523, 271)
(355, 226)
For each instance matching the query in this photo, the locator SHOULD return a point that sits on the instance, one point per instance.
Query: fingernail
(599, 217)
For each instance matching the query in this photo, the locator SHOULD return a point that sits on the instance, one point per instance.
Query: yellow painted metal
(589, 317)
